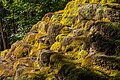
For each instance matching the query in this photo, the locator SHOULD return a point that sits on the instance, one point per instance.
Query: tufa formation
(81, 42)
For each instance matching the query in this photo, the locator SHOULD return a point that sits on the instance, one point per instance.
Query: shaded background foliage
(18, 16)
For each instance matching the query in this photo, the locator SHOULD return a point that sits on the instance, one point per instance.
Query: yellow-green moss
(34, 52)
(65, 30)
(58, 60)
(41, 46)
(74, 46)
(69, 14)
(87, 62)
(82, 54)
(57, 16)
(3, 53)
(19, 49)
(60, 37)
(35, 27)
(115, 73)
(22, 50)
(1, 69)
(30, 38)
(42, 27)
(56, 46)
(47, 17)
(96, 1)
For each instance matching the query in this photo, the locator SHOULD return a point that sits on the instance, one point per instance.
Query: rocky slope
(81, 42)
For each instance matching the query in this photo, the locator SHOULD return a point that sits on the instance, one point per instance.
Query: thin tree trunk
(2, 35)
(0, 43)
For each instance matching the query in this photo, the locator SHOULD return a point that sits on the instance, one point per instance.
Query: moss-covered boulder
(53, 31)
(81, 42)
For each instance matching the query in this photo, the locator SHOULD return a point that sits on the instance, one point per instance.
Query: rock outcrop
(81, 42)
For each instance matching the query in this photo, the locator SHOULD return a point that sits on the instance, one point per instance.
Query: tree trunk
(0, 43)
(2, 35)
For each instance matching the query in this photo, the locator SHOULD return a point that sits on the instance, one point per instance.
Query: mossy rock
(19, 49)
(87, 11)
(22, 50)
(47, 17)
(44, 57)
(70, 72)
(42, 27)
(99, 12)
(104, 36)
(110, 62)
(81, 42)
(78, 32)
(97, 1)
(58, 59)
(67, 40)
(75, 45)
(53, 31)
(30, 38)
(29, 74)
